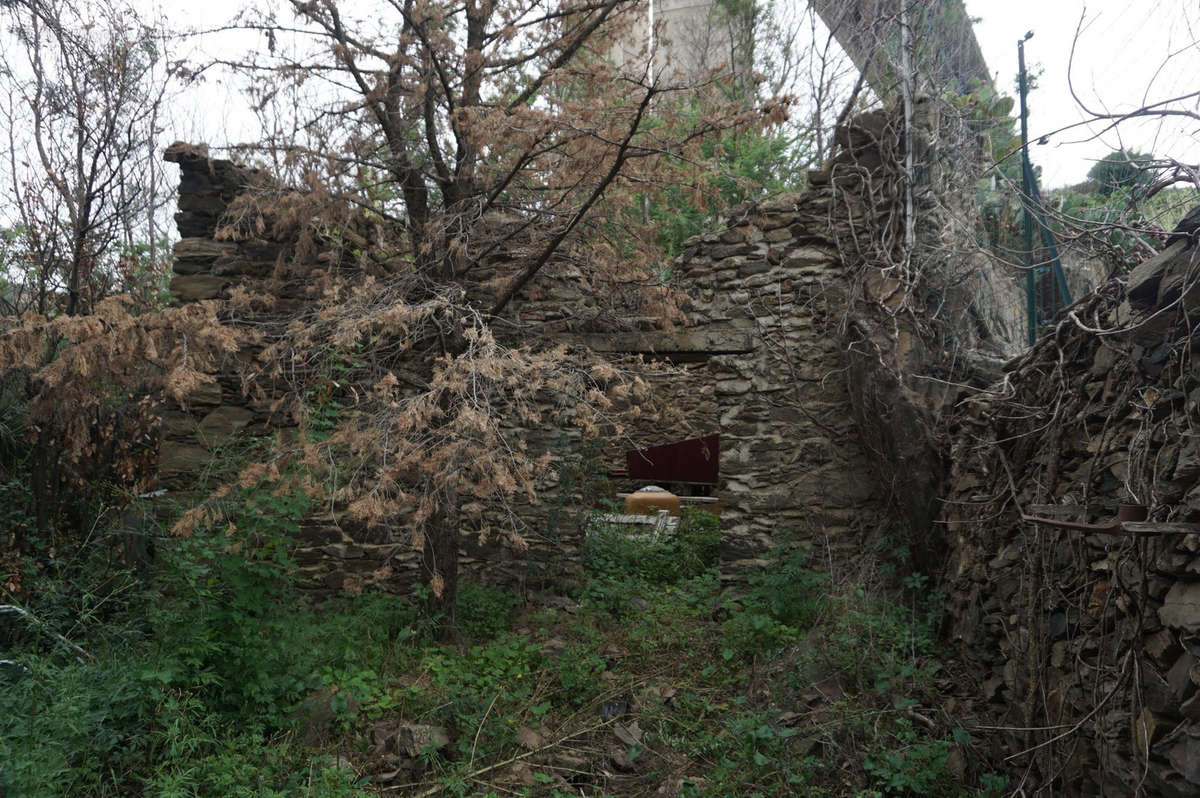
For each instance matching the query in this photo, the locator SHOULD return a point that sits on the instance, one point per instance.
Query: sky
(1127, 53)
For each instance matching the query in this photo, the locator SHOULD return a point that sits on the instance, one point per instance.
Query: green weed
(482, 612)
(622, 566)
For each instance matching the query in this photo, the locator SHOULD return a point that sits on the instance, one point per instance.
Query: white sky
(1121, 62)
(1120, 53)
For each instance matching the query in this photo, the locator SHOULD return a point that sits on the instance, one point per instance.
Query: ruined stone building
(857, 392)
(861, 388)
(783, 356)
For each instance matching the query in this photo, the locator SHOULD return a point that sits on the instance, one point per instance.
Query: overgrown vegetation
(1119, 216)
(215, 677)
(179, 685)
(451, 155)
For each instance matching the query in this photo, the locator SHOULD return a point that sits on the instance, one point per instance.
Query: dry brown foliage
(433, 436)
(443, 160)
(90, 387)
(451, 155)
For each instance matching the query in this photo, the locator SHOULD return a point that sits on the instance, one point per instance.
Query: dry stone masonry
(830, 357)
(1084, 645)
(760, 362)
(772, 289)
(790, 351)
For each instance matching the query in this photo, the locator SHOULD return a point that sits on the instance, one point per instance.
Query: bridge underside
(946, 55)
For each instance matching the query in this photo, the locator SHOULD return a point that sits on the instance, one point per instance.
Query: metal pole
(1026, 190)
(1048, 242)
(910, 219)
(650, 45)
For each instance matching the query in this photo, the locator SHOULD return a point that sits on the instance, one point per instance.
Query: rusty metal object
(1130, 520)
(710, 504)
(690, 462)
(1132, 512)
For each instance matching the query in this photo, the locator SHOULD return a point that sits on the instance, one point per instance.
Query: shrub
(910, 763)
(784, 599)
(1123, 169)
(482, 612)
(230, 626)
(611, 551)
(754, 755)
(621, 566)
(187, 691)
(577, 671)
(697, 543)
(65, 725)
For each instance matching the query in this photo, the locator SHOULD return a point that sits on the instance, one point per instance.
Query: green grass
(794, 684)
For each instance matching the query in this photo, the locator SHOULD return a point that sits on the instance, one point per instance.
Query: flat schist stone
(1144, 280)
(1181, 608)
(222, 424)
(181, 459)
(195, 287)
(203, 249)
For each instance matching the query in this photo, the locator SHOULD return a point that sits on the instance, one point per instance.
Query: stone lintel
(691, 342)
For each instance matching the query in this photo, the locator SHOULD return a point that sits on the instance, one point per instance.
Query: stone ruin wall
(333, 552)
(773, 286)
(760, 362)
(811, 409)
(1082, 648)
(795, 356)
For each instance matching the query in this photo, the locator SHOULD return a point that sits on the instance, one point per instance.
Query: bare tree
(83, 91)
(456, 152)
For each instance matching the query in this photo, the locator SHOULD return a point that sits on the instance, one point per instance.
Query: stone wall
(1083, 646)
(790, 351)
(773, 286)
(220, 420)
(203, 265)
(214, 416)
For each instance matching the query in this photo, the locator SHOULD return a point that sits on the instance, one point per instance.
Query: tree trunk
(440, 563)
(40, 477)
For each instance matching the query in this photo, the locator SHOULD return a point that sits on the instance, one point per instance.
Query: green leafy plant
(229, 626)
(484, 670)
(784, 599)
(482, 611)
(1121, 170)
(622, 565)
(577, 671)
(911, 764)
(755, 753)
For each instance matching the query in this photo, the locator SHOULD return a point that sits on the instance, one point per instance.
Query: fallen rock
(552, 648)
(1180, 676)
(1181, 608)
(529, 739)
(414, 738)
(315, 716)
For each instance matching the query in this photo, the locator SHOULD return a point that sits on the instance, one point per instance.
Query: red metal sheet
(695, 461)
